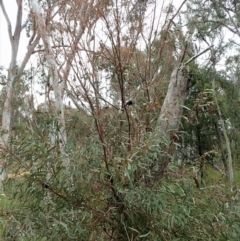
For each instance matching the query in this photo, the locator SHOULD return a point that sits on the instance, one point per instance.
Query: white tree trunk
(14, 74)
(56, 83)
(169, 120)
(172, 108)
(170, 116)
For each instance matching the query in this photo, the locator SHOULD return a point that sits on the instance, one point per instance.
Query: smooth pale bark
(170, 116)
(169, 120)
(172, 108)
(14, 74)
(57, 84)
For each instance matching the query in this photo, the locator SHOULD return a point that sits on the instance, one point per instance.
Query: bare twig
(197, 55)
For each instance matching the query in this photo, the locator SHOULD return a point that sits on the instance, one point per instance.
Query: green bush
(118, 200)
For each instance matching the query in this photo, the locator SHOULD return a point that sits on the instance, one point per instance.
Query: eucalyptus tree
(57, 85)
(38, 26)
(15, 69)
(209, 24)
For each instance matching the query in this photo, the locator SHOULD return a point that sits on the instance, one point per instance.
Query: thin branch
(7, 20)
(171, 20)
(30, 51)
(197, 55)
(232, 21)
(168, 27)
(223, 24)
(219, 23)
(115, 107)
(53, 47)
(18, 27)
(25, 24)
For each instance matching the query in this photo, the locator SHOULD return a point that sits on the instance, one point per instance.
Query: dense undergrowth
(118, 200)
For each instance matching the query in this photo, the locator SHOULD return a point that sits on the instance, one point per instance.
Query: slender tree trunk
(57, 84)
(14, 74)
(222, 122)
(220, 146)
